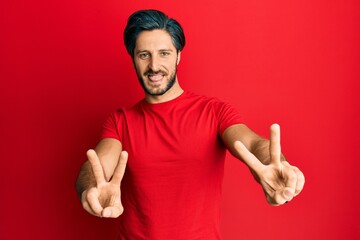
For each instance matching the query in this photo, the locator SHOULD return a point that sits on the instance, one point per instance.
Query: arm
(99, 195)
(279, 180)
(256, 144)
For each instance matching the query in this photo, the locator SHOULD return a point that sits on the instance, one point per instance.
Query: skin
(280, 181)
(155, 60)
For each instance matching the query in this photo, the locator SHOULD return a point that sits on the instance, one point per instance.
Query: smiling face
(155, 60)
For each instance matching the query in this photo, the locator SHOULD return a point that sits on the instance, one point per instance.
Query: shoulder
(123, 110)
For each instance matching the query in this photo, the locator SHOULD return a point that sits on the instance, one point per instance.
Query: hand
(103, 200)
(279, 180)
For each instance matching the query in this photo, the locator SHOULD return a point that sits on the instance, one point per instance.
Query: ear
(178, 58)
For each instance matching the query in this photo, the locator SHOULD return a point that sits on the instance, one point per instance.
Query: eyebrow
(160, 50)
(168, 50)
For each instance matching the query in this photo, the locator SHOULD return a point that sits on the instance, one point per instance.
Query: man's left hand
(280, 181)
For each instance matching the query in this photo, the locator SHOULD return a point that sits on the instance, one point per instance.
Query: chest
(184, 137)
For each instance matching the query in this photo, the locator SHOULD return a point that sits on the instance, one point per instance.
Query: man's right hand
(104, 199)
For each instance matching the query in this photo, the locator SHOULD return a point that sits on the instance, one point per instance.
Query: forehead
(154, 40)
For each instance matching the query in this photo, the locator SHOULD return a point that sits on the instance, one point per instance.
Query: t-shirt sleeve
(227, 116)
(113, 126)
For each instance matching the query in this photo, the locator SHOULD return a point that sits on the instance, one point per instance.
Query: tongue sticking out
(155, 77)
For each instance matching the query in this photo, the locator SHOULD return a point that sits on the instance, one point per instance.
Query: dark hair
(147, 20)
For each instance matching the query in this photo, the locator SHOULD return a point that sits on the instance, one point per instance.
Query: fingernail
(288, 194)
(106, 213)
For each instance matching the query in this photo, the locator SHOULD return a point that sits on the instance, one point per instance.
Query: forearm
(256, 144)
(242, 133)
(85, 179)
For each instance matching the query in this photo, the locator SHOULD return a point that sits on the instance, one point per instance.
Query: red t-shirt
(172, 184)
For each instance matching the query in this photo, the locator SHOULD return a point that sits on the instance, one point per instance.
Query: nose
(154, 64)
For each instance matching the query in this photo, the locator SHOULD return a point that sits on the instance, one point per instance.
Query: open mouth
(155, 77)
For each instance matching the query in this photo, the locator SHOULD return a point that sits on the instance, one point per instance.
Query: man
(173, 144)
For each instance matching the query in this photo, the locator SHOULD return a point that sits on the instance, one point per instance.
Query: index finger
(96, 166)
(250, 160)
(275, 147)
(120, 168)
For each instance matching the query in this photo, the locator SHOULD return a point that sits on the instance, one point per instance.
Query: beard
(155, 91)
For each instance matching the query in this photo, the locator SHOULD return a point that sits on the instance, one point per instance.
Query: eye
(164, 53)
(144, 55)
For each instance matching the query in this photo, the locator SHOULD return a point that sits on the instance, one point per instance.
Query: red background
(64, 69)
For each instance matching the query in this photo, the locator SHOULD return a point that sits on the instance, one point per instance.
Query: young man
(173, 145)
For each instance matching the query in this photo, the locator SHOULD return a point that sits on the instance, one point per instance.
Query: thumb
(288, 193)
(285, 195)
(112, 212)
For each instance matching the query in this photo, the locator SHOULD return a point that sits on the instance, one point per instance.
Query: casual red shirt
(172, 184)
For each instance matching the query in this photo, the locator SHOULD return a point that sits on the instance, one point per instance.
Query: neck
(174, 92)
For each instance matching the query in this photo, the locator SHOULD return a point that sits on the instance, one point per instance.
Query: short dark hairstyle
(148, 20)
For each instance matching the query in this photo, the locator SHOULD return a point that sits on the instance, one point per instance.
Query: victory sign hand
(104, 199)
(279, 180)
